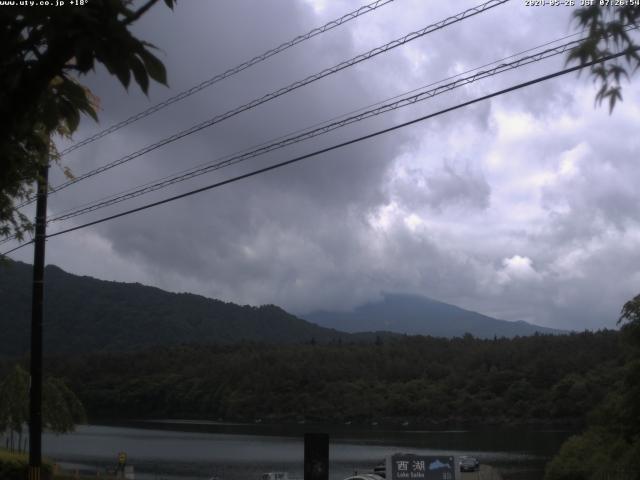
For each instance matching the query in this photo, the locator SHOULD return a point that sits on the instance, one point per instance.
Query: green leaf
(599, 71)
(154, 66)
(121, 70)
(139, 73)
(70, 114)
(84, 57)
(616, 71)
(614, 95)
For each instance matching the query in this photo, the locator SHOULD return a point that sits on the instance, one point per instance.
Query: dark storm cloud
(522, 207)
(449, 185)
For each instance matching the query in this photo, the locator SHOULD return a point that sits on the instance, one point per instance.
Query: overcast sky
(523, 207)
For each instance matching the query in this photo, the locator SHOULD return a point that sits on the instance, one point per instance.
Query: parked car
(365, 476)
(469, 464)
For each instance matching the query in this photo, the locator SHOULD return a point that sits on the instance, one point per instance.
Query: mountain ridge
(84, 314)
(420, 315)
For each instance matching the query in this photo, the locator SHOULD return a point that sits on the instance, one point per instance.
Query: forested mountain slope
(84, 314)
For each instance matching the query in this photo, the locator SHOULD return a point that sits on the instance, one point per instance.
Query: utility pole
(316, 456)
(37, 307)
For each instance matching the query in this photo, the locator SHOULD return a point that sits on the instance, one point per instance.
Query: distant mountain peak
(414, 314)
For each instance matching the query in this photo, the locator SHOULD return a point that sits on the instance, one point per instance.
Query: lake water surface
(199, 450)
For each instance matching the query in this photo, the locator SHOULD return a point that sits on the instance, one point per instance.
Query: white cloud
(517, 269)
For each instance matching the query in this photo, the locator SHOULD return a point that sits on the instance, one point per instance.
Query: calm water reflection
(196, 450)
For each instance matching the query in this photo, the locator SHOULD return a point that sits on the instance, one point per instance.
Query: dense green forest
(610, 445)
(434, 381)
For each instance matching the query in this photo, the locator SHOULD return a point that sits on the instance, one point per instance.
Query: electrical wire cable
(234, 159)
(230, 72)
(257, 149)
(16, 248)
(331, 148)
(284, 90)
(131, 190)
(275, 144)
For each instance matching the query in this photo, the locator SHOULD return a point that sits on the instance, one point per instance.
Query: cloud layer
(524, 206)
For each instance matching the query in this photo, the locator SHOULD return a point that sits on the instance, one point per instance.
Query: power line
(16, 248)
(290, 140)
(334, 147)
(232, 71)
(276, 144)
(247, 150)
(199, 170)
(308, 132)
(8, 239)
(284, 90)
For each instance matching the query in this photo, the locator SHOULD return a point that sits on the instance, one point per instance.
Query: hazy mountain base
(543, 379)
(418, 315)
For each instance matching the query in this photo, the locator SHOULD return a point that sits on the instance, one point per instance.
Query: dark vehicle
(469, 464)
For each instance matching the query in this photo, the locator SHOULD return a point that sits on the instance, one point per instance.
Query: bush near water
(13, 466)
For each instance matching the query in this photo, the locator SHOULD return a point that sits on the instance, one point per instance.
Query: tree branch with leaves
(609, 30)
(43, 51)
(61, 411)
